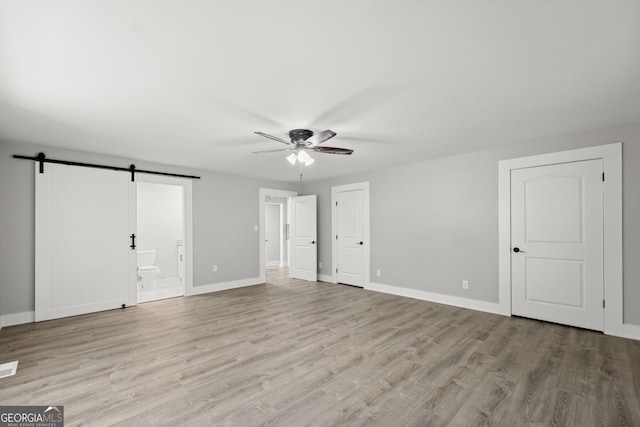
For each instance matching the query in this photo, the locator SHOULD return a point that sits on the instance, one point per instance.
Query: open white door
(304, 254)
(84, 259)
(557, 243)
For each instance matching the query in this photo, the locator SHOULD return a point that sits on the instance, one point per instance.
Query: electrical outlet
(320, 265)
(377, 273)
(465, 284)
(255, 228)
(215, 268)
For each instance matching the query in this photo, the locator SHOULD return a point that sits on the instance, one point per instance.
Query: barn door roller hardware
(42, 159)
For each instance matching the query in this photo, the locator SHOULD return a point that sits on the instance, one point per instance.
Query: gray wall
(435, 223)
(225, 210)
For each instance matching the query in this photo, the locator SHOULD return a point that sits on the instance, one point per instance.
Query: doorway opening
(161, 241)
(275, 227)
(269, 197)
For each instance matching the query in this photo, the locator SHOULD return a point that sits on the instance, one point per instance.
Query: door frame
(364, 186)
(187, 220)
(262, 194)
(611, 155)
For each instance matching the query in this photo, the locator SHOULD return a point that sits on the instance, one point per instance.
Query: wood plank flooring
(294, 353)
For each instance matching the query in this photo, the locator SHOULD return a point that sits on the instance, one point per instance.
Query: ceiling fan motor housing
(298, 136)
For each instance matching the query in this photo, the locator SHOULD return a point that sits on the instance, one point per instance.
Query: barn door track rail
(42, 159)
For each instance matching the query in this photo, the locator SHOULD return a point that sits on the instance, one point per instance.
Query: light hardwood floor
(293, 353)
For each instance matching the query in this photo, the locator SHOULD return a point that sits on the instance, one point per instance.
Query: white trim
(11, 366)
(17, 318)
(611, 155)
(281, 231)
(364, 186)
(325, 278)
(187, 195)
(489, 307)
(262, 193)
(627, 331)
(223, 286)
(273, 263)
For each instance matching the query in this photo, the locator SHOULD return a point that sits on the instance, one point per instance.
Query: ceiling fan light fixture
(305, 158)
(292, 158)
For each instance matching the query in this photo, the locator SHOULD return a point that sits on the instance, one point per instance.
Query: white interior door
(557, 243)
(84, 262)
(350, 237)
(304, 254)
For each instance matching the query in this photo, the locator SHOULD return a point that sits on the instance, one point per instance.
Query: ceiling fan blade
(319, 138)
(273, 151)
(275, 138)
(332, 150)
(376, 139)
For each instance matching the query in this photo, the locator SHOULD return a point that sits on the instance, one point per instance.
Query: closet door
(84, 259)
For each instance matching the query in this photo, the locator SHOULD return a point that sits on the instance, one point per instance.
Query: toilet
(147, 272)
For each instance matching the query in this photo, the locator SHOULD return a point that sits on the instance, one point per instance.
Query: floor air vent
(8, 369)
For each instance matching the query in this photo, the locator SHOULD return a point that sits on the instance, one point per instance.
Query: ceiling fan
(303, 140)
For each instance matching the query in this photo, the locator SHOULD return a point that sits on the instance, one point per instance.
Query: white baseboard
(489, 307)
(325, 278)
(626, 331)
(17, 318)
(273, 263)
(214, 287)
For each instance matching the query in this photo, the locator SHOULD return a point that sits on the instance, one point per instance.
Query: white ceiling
(187, 82)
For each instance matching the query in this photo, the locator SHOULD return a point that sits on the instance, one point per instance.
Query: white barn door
(557, 253)
(84, 220)
(304, 254)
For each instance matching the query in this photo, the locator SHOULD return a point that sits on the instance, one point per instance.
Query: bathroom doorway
(161, 256)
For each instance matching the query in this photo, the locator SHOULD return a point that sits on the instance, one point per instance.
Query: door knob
(360, 243)
(516, 250)
(312, 243)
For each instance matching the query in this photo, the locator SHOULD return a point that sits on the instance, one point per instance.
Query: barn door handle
(360, 243)
(133, 241)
